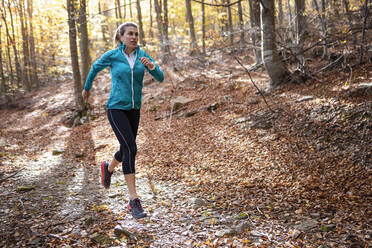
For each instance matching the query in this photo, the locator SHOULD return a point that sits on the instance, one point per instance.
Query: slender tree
(350, 21)
(2, 76)
(190, 20)
(104, 28)
(280, 15)
(9, 64)
(241, 24)
(118, 8)
(254, 15)
(364, 21)
(167, 50)
(84, 42)
(323, 21)
(151, 33)
(74, 55)
(12, 40)
(203, 27)
(26, 81)
(140, 25)
(300, 30)
(276, 69)
(230, 23)
(130, 9)
(34, 73)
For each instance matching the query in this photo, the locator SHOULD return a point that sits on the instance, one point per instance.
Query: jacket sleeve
(157, 73)
(97, 66)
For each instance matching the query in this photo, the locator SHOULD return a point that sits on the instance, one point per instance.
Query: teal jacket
(126, 84)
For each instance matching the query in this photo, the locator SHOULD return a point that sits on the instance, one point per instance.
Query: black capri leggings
(125, 126)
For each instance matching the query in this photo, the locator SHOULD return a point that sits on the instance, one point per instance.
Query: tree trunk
(2, 76)
(26, 81)
(12, 40)
(190, 20)
(300, 30)
(241, 24)
(362, 38)
(167, 48)
(8, 38)
(130, 9)
(254, 15)
(119, 8)
(280, 15)
(231, 28)
(203, 27)
(160, 25)
(74, 55)
(104, 28)
(151, 33)
(84, 42)
(276, 69)
(34, 75)
(140, 25)
(9, 64)
(322, 19)
(350, 20)
(290, 20)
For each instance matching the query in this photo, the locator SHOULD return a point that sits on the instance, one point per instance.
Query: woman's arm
(97, 66)
(156, 72)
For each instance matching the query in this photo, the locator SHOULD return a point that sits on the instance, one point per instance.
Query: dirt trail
(226, 173)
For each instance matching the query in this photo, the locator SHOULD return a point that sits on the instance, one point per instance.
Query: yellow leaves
(208, 242)
(100, 208)
(246, 241)
(25, 188)
(116, 184)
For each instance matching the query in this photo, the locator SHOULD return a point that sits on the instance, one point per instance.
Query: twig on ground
(12, 175)
(21, 202)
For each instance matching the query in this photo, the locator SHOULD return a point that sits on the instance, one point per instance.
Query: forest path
(223, 172)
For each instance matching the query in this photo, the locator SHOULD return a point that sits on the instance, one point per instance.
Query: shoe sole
(103, 174)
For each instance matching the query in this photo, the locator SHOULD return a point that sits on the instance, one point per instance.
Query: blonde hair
(121, 30)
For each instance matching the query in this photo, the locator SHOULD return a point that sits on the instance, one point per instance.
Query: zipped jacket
(126, 83)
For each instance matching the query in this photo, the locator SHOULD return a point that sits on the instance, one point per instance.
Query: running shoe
(106, 175)
(136, 209)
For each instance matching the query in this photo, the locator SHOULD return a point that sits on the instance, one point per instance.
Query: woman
(127, 66)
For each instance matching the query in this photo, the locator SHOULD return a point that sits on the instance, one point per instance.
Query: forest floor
(225, 170)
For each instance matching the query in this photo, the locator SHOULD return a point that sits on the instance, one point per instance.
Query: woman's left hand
(147, 62)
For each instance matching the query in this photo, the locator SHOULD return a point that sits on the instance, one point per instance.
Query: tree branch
(249, 74)
(217, 5)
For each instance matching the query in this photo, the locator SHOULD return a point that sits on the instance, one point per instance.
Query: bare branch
(258, 89)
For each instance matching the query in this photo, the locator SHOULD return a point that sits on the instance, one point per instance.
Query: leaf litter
(231, 174)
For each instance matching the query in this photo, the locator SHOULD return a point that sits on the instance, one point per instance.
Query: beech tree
(84, 42)
(276, 69)
(254, 15)
(74, 55)
(140, 25)
(190, 20)
(300, 30)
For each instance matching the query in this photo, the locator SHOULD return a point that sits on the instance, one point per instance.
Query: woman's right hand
(85, 95)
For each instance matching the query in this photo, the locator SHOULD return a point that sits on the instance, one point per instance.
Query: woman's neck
(128, 50)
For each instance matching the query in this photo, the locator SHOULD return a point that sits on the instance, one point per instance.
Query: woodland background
(260, 135)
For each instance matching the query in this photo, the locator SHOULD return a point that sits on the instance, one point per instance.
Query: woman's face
(130, 37)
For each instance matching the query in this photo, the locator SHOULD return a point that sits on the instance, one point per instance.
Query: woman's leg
(125, 126)
(131, 182)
